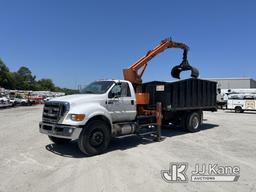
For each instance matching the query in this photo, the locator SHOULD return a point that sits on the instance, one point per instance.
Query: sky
(74, 42)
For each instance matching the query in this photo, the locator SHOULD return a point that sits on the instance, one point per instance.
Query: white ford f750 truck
(112, 108)
(109, 108)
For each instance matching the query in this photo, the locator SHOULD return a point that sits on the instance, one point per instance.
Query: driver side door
(120, 104)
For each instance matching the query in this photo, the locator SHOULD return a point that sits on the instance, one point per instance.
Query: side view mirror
(116, 91)
(113, 95)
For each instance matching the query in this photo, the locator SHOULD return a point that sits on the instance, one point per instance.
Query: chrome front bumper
(58, 130)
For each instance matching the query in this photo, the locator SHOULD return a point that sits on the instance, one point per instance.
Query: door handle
(112, 101)
(132, 102)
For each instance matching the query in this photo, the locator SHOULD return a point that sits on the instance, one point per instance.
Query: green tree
(26, 74)
(24, 79)
(69, 91)
(18, 82)
(46, 85)
(6, 77)
(3, 67)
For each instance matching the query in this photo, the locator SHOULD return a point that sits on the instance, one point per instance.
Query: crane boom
(135, 72)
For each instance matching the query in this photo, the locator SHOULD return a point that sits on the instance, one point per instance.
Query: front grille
(54, 110)
(47, 127)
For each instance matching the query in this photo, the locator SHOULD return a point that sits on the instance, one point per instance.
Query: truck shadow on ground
(71, 150)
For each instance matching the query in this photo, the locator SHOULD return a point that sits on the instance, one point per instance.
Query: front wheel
(95, 138)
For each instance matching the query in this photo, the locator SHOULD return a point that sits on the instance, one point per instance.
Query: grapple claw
(184, 66)
(194, 72)
(176, 72)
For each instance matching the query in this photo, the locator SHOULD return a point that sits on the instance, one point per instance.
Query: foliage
(46, 84)
(6, 77)
(23, 79)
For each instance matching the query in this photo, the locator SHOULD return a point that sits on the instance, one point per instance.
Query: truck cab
(104, 102)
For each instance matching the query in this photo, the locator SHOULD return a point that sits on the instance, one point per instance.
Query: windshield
(97, 87)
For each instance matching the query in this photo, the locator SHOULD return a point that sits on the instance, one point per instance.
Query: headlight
(67, 106)
(77, 117)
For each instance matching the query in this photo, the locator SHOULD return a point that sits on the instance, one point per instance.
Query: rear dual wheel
(192, 121)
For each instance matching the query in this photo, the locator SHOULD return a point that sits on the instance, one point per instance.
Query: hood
(80, 98)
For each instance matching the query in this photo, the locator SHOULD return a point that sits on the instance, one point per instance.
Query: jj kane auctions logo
(177, 173)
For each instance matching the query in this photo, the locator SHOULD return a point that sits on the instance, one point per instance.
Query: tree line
(23, 79)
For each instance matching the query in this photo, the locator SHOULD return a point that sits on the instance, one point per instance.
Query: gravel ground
(30, 162)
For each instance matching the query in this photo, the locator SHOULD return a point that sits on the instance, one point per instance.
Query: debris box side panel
(184, 94)
(192, 93)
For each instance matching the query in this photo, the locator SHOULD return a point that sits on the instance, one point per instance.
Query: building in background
(234, 83)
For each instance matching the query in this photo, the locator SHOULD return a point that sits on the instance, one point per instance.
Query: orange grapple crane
(135, 72)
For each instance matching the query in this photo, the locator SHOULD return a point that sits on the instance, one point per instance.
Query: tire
(95, 138)
(239, 109)
(193, 122)
(23, 103)
(58, 140)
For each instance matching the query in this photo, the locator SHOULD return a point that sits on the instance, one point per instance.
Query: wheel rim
(96, 138)
(238, 109)
(195, 122)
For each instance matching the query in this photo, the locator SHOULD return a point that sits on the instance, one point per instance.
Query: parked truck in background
(241, 102)
(114, 108)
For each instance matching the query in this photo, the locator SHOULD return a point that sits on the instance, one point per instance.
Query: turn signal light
(77, 117)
